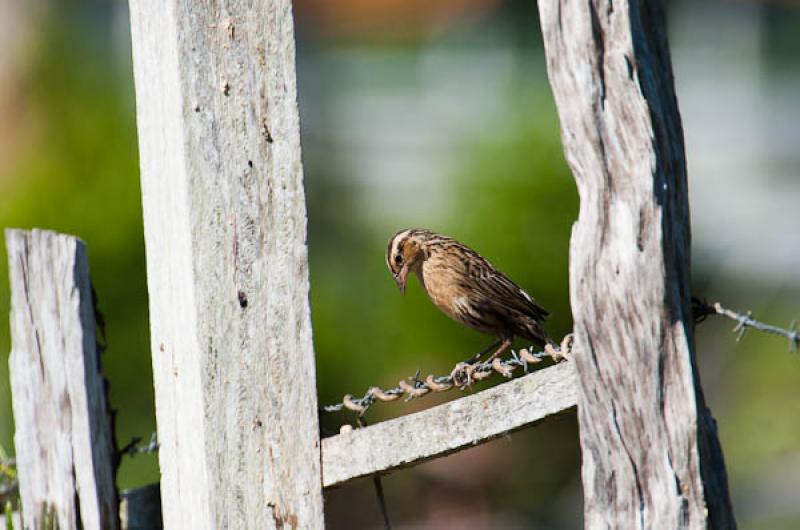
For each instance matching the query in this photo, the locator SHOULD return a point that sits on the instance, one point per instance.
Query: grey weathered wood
(446, 428)
(225, 230)
(63, 439)
(651, 458)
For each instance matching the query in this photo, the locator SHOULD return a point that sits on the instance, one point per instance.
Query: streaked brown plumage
(466, 287)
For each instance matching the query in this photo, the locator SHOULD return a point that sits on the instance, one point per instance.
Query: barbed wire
(463, 376)
(744, 322)
(133, 448)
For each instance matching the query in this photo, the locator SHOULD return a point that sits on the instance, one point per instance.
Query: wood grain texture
(225, 230)
(63, 439)
(651, 458)
(444, 429)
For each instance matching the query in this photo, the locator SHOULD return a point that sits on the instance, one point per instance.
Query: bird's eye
(398, 259)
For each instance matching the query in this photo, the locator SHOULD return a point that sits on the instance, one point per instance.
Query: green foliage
(516, 202)
(8, 485)
(9, 515)
(80, 176)
(7, 472)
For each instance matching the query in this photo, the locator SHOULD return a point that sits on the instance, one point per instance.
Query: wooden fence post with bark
(64, 445)
(651, 458)
(227, 267)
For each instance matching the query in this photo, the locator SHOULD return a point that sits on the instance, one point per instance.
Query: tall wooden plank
(63, 436)
(651, 458)
(225, 230)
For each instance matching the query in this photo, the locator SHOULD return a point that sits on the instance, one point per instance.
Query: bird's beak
(401, 277)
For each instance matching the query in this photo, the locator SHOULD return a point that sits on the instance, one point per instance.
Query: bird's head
(405, 253)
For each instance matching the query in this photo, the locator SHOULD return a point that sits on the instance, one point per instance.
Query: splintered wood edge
(450, 427)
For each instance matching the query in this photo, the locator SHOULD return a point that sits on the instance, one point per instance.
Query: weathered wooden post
(225, 230)
(63, 436)
(651, 458)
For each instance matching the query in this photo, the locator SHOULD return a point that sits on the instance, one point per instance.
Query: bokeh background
(438, 114)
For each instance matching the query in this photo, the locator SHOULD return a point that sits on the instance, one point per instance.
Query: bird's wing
(497, 288)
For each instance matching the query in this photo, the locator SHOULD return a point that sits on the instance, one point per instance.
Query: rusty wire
(462, 376)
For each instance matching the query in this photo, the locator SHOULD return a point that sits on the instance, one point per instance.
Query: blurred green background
(438, 114)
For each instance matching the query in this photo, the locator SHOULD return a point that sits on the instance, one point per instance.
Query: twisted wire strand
(746, 321)
(462, 376)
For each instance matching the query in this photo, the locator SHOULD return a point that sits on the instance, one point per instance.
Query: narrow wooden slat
(63, 437)
(447, 428)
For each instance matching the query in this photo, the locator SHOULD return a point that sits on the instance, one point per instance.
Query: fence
(225, 231)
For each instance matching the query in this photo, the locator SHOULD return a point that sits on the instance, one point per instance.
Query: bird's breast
(444, 288)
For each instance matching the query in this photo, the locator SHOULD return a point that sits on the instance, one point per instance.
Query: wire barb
(133, 448)
(462, 377)
(746, 321)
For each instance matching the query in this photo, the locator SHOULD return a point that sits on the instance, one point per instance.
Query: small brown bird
(466, 287)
